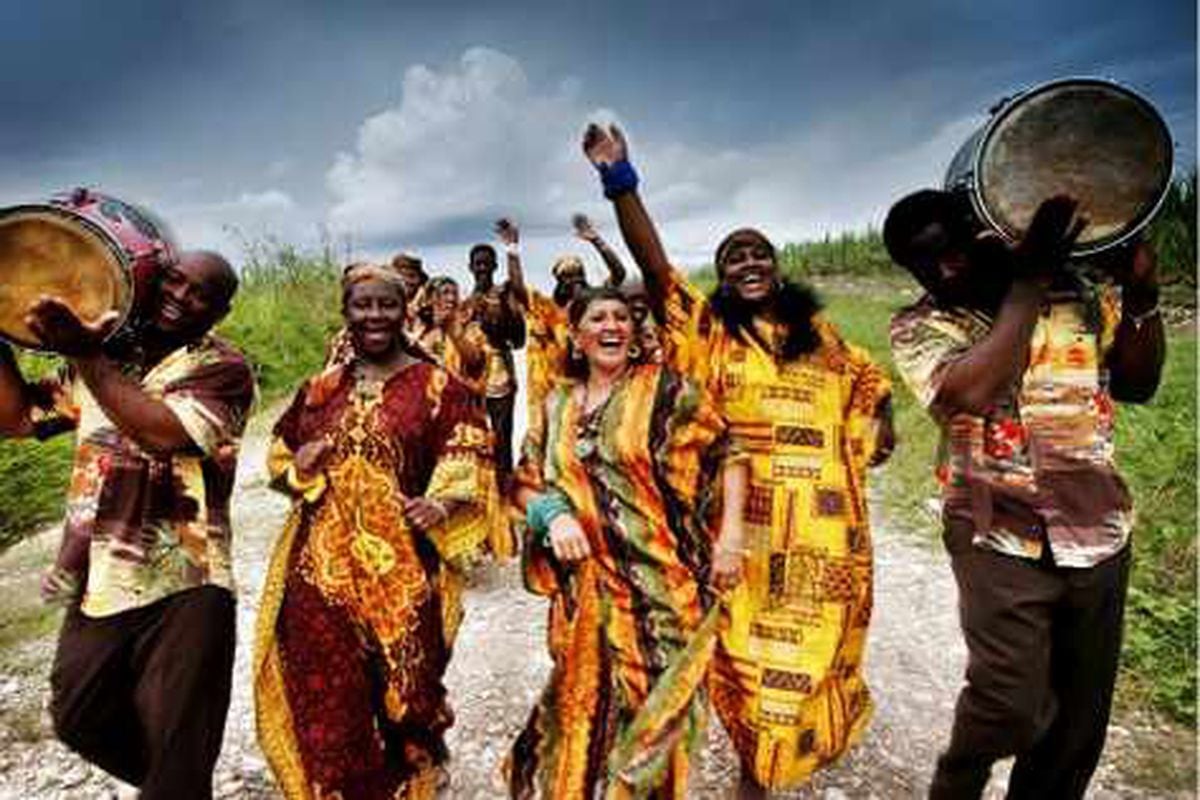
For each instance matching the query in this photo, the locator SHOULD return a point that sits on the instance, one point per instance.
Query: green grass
(1156, 449)
(287, 307)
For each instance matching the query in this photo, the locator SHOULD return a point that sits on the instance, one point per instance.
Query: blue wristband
(618, 178)
(542, 510)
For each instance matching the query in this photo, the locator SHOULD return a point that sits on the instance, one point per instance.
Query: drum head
(47, 252)
(1093, 140)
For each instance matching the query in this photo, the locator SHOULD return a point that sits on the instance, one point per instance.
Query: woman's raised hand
(507, 231)
(604, 145)
(567, 539)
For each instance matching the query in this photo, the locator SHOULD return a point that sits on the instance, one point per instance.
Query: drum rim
(114, 246)
(1002, 113)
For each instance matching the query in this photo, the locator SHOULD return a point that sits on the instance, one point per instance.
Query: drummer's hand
(58, 327)
(1136, 269)
(311, 457)
(1048, 240)
(604, 146)
(567, 539)
(424, 512)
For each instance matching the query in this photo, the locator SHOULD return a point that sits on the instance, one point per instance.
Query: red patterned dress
(359, 610)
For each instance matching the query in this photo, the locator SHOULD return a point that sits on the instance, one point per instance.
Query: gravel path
(915, 664)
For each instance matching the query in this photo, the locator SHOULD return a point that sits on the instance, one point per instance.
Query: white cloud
(477, 139)
(471, 141)
(228, 225)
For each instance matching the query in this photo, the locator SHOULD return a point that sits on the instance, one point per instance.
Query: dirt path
(915, 663)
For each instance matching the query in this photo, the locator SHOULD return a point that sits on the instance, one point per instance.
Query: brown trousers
(500, 414)
(143, 694)
(1043, 644)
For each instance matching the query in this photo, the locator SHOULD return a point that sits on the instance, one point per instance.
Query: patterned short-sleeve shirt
(156, 523)
(1038, 467)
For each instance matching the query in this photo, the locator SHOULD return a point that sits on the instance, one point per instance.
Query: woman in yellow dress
(812, 412)
(386, 457)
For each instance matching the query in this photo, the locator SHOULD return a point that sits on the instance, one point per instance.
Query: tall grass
(287, 307)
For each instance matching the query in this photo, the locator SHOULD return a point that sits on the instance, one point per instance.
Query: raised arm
(982, 375)
(508, 233)
(468, 338)
(1139, 346)
(145, 419)
(584, 230)
(609, 154)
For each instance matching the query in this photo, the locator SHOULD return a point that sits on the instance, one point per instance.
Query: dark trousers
(143, 694)
(1043, 643)
(500, 412)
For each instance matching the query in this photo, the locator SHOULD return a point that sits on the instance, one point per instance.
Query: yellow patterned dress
(545, 350)
(787, 678)
(631, 631)
(359, 610)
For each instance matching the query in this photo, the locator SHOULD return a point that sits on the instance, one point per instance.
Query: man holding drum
(1019, 360)
(141, 679)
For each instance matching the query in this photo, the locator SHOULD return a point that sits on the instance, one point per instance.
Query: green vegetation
(33, 474)
(1173, 232)
(285, 311)
(1156, 448)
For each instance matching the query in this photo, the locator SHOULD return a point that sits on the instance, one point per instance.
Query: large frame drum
(95, 252)
(1092, 139)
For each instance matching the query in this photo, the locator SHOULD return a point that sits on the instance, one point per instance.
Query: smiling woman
(612, 480)
(388, 459)
(812, 412)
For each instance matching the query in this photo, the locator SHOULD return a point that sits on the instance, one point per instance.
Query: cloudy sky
(386, 126)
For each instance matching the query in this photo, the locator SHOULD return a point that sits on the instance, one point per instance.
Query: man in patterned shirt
(141, 679)
(1019, 360)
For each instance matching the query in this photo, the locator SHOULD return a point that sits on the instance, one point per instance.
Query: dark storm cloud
(224, 109)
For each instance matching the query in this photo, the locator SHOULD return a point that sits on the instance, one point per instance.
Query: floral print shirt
(1037, 469)
(153, 523)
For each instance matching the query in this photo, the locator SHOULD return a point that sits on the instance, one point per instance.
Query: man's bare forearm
(145, 419)
(980, 377)
(516, 277)
(616, 268)
(1139, 349)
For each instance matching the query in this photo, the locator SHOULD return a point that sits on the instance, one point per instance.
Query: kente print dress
(787, 677)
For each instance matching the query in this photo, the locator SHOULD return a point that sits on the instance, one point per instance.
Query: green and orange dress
(632, 627)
